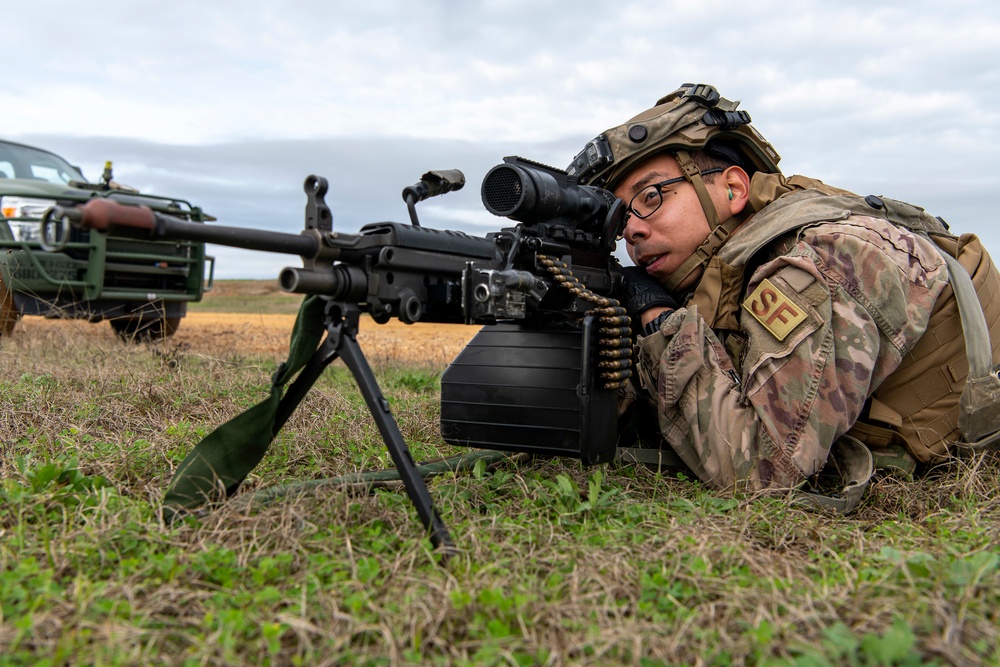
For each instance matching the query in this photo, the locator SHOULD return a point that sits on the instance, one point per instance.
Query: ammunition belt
(614, 341)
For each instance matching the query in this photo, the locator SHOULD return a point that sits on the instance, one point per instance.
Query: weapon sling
(223, 459)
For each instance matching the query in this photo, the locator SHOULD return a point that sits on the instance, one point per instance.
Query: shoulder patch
(774, 310)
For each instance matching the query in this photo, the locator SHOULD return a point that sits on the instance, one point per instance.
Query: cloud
(232, 109)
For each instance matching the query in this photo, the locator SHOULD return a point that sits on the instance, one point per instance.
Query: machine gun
(542, 374)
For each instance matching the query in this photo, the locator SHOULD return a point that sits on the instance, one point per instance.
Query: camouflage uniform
(759, 397)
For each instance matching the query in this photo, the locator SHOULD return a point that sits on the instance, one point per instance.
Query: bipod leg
(321, 358)
(344, 333)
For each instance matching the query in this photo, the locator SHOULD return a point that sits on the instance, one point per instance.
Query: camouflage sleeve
(825, 323)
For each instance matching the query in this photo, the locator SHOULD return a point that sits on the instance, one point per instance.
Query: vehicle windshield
(17, 161)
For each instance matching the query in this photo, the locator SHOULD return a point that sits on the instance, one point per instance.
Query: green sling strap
(222, 460)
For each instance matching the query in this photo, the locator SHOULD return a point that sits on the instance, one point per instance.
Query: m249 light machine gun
(542, 374)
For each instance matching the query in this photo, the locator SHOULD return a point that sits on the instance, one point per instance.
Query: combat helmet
(693, 117)
(688, 119)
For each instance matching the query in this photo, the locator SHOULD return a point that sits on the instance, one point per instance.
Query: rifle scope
(526, 193)
(534, 194)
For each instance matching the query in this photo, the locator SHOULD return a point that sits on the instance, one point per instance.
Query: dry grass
(557, 565)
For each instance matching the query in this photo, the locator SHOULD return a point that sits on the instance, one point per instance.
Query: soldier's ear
(737, 184)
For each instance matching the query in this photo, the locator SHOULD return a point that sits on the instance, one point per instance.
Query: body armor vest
(917, 408)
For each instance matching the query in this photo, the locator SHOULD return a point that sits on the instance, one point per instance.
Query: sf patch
(773, 309)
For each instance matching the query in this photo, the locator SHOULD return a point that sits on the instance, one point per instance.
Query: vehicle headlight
(23, 214)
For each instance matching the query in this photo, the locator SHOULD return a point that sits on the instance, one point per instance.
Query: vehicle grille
(164, 249)
(147, 266)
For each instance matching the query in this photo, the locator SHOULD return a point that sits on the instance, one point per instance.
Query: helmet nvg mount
(685, 120)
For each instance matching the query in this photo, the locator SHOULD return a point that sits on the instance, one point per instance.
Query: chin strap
(720, 231)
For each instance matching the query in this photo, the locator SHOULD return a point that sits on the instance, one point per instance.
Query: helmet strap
(719, 231)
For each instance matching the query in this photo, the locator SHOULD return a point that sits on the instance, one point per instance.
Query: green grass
(556, 564)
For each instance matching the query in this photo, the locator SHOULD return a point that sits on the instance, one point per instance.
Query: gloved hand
(640, 292)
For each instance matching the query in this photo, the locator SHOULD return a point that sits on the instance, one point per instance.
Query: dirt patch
(228, 334)
(222, 333)
(255, 318)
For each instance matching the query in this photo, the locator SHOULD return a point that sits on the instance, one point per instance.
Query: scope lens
(503, 190)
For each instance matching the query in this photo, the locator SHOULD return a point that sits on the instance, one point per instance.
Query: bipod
(341, 321)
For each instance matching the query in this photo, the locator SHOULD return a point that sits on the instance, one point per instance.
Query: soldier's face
(662, 241)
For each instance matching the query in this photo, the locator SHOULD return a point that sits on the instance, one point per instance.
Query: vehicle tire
(8, 313)
(136, 329)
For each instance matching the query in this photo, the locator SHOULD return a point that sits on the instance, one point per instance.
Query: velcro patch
(772, 308)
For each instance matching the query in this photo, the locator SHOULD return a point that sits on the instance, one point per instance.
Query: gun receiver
(541, 376)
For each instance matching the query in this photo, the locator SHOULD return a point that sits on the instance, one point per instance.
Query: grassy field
(557, 564)
(247, 296)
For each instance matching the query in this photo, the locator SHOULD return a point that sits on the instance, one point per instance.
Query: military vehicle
(141, 287)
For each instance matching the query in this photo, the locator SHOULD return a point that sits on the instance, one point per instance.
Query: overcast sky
(231, 105)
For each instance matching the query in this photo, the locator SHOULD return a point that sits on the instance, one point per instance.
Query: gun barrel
(343, 282)
(251, 239)
(141, 222)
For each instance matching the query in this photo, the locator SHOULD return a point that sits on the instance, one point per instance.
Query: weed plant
(556, 564)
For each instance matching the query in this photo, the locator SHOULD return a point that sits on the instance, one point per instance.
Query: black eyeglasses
(646, 201)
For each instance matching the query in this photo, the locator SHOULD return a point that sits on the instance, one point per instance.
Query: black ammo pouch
(533, 390)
